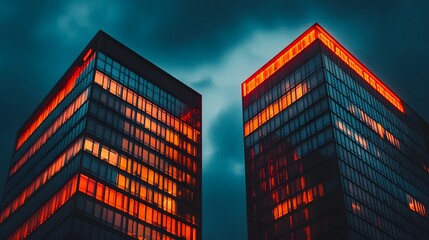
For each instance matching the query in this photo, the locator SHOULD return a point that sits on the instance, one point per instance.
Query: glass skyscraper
(330, 151)
(113, 152)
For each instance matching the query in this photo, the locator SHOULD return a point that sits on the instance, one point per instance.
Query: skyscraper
(330, 151)
(113, 152)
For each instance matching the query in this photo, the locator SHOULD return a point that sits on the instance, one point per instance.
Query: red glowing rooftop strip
(53, 103)
(313, 33)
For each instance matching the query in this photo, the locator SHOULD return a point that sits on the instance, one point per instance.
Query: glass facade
(330, 151)
(113, 152)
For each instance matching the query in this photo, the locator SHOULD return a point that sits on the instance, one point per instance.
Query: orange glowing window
(273, 109)
(40, 180)
(145, 106)
(416, 206)
(293, 203)
(352, 134)
(46, 210)
(303, 41)
(71, 109)
(377, 127)
(53, 102)
(356, 207)
(134, 208)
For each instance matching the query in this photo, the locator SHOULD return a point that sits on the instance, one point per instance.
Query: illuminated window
(377, 127)
(416, 206)
(74, 106)
(146, 106)
(352, 134)
(53, 103)
(40, 180)
(135, 208)
(356, 207)
(273, 109)
(293, 203)
(44, 212)
(291, 51)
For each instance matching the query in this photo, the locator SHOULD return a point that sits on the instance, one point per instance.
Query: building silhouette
(112, 152)
(330, 151)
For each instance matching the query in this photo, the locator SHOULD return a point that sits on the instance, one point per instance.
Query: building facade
(113, 152)
(330, 151)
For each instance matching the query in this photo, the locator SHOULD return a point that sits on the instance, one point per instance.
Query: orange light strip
(87, 55)
(44, 177)
(44, 212)
(133, 207)
(278, 61)
(316, 31)
(273, 109)
(293, 203)
(416, 206)
(73, 107)
(57, 99)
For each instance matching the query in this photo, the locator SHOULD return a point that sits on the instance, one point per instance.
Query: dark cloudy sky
(212, 46)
